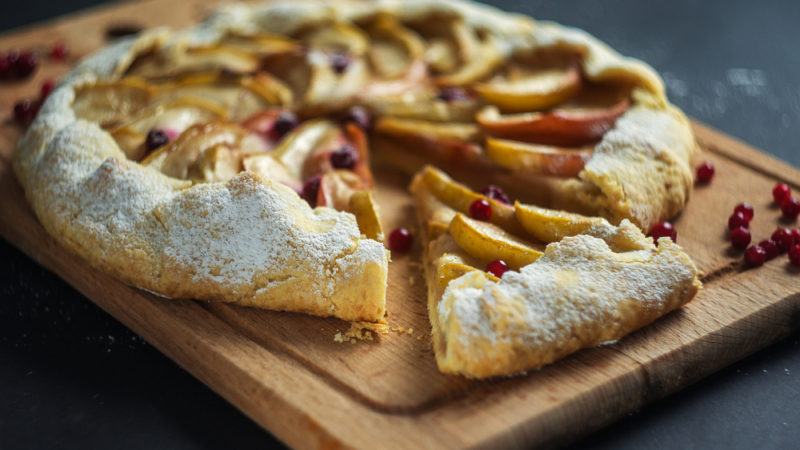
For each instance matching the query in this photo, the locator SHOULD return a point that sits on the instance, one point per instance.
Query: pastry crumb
(361, 331)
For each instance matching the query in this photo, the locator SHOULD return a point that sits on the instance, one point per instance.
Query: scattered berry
(737, 219)
(791, 208)
(705, 172)
(58, 51)
(400, 240)
(311, 190)
(25, 111)
(344, 158)
(339, 62)
(47, 88)
(25, 64)
(794, 255)
(740, 237)
(782, 238)
(480, 210)
(497, 268)
(359, 116)
(155, 139)
(795, 236)
(664, 229)
(286, 122)
(781, 192)
(755, 255)
(770, 248)
(496, 192)
(6, 67)
(451, 94)
(746, 209)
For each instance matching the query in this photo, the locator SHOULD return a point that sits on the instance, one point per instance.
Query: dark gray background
(73, 377)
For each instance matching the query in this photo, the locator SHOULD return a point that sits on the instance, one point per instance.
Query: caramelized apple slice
(112, 103)
(547, 225)
(218, 163)
(537, 159)
(267, 167)
(363, 206)
(295, 148)
(486, 59)
(175, 61)
(337, 187)
(260, 43)
(487, 242)
(435, 131)
(584, 120)
(533, 91)
(337, 37)
(424, 106)
(393, 48)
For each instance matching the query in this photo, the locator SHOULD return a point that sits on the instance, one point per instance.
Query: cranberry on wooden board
(25, 64)
(755, 256)
(794, 255)
(736, 220)
(664, 229)
(58, 51)
(795, 236)
(705, 172)
(497, 268)
(740, 237)
(781, 192)
(770, 248)
(400, 240)
(46, 89)
(25, 111)
(782, 238)
(746, 209)
(791, 208)
(480, 210)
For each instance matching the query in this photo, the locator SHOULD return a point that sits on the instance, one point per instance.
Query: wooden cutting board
(286, 372)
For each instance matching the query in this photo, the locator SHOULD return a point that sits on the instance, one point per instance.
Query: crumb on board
(366, 331)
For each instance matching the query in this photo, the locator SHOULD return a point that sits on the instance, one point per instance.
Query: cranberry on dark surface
(46, 89)
(359, 116)
(451, 94)
(311, 189)
(496, 192)
(339, 62)
(740, 237)
(782, 238)
(781, 192)
(794, 255)
(400, 240)
(795, 236)
(155, 139)
(664, 229)
(480, 210)
(791, 208)
(25, 111)
(497, 268)
(58, 51)
(6, 67)
(737, 219)
(286, 122)
(705, 172)
(770, 248)
(746, 209)
(25, 64)
(344, 158)
(755, 256)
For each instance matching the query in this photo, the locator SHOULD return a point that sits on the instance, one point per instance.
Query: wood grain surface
(286, 372)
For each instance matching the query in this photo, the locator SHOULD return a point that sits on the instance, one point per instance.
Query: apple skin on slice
(539, 90)
(581, 122)
(537, 159)
(487, 242)
(548, 225)
(362, 205)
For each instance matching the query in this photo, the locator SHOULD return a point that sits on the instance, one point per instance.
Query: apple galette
(231, 162)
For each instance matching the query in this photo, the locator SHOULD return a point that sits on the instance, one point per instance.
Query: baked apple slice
(395, 60)
(337, 37)
(112, 103)
(261, 44)
(488, 242)
(532, 91)
(362, 204)
(583, 120)
(537, 159)
(174, 61)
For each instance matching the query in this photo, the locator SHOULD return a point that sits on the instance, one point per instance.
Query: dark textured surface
(73, 377)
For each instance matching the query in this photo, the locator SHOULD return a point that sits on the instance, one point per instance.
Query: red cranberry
(311, 189)
(155, 139)
(6, 67)
(782, 238)
(344, 158)
(25, 111)
(58, 51)
(339, 62)
(359, 116)
(400, 240)
(737, 219)
(286, 122)
(746, 209)
(452, 94)
(795, 236)
(781, 192)
(25, 65)
(705, 172)
(47, 88)
(664, 229)
(496, 192)
(791, 208)
(481, 210)
(794, 255)
(497, 268)
(770, 248)
(755, 256)
(740, 237)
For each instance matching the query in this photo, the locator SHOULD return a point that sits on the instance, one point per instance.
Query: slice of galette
(516, 287)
